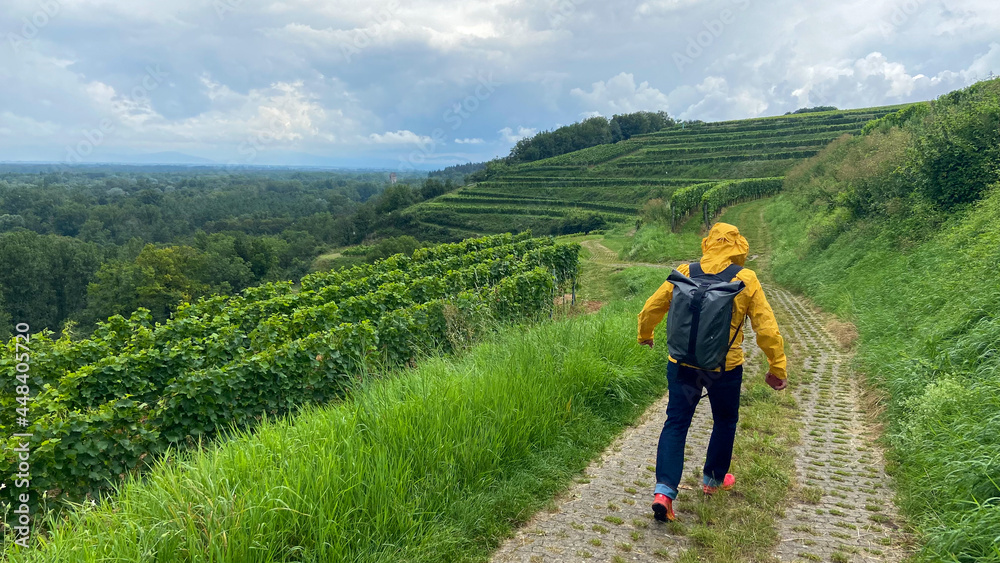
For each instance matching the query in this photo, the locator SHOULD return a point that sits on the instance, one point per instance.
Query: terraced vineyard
(137, 389)
(614, 181)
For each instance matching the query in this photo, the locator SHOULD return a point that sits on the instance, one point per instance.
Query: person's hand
(646, 342)
(775, 382)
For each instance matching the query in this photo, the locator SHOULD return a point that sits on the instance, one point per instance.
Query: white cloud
(475, 141)
(714, 99)
(12, 125)
(985, 65)
(282, 114)
(399, 138)
(508, 135)
(620, 94)
(659, 7)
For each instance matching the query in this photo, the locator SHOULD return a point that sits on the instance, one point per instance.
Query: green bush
(957, 154)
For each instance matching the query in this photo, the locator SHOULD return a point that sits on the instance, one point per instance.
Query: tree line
(588, 133)
(80, 245)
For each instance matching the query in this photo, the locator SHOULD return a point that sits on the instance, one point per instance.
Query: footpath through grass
(433, 465)
(742, 526)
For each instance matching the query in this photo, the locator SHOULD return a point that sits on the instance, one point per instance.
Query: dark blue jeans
(685, 387)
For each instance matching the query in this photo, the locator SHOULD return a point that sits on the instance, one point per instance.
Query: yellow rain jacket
(723, 246)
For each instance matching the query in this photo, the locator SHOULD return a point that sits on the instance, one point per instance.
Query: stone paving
(606, 516)
(840, 509)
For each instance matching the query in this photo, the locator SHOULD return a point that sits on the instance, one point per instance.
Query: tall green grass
(929, 317)
(656, 244)
(436, 464)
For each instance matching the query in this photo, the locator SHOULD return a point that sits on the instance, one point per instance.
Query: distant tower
(392, 178)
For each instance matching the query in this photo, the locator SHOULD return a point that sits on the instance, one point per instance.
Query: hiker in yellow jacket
(722, 247)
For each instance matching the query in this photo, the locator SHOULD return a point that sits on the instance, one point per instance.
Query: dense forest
(82, 244)
(457, 172)
(817, 109)
(588, 133)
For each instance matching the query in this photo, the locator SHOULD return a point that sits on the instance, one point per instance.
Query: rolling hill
(613, 181)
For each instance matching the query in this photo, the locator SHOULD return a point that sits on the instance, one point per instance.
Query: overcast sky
(423, 83)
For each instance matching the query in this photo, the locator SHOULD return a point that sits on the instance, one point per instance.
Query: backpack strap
(729, 273)
(725, 275)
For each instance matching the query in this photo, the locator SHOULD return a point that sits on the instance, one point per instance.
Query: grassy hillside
(610, 183)
(897, 230)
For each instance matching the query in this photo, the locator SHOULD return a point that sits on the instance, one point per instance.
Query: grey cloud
(323, 78)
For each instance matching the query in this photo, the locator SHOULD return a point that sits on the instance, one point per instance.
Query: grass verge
(656, 244)
(926, 303)
(435, 465)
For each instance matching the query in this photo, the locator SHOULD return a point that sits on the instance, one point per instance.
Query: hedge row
(686, 200)
(730, 147)
(593, 155)
(642, 160)
(729, 193)
(577, 182)
(560, 211)
(141, 349)
(815, 121)
(535, 201)
(57, 357)
(751, 133)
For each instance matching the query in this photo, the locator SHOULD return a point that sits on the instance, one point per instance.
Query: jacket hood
(723, 246)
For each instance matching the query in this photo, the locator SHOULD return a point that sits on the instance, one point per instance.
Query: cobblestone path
(839, 510)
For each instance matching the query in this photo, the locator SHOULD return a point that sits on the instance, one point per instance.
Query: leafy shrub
(958, 151)
(655, 211)
(579, 223)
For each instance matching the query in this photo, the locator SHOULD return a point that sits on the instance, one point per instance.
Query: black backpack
(700, 316)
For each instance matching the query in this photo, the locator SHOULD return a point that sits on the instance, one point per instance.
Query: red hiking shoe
(727, 483)
(663, 508)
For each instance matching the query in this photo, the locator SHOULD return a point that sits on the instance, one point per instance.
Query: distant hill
(168, 157)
